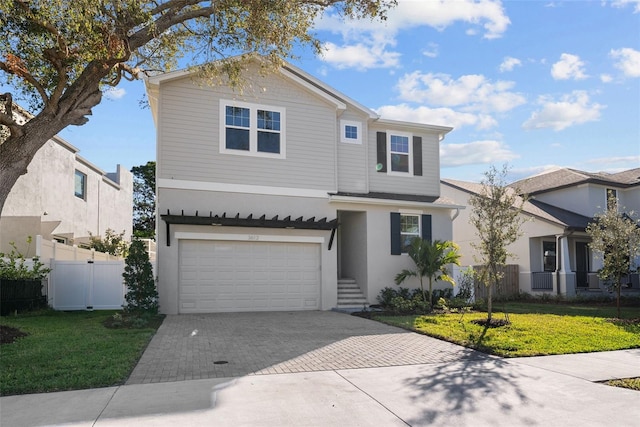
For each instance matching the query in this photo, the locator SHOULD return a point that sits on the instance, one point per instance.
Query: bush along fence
(21, 282)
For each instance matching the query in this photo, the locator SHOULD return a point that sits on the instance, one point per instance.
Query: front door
(582, 264)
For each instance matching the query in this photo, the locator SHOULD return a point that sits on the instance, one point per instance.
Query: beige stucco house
(288, 196)
(553, 253)
(65, 198)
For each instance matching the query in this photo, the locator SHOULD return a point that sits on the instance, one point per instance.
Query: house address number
(253, 237)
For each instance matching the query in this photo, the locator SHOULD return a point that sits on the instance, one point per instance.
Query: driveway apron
(222, 345)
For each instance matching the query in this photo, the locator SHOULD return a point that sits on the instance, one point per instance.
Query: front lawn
(533, 331)
(68, 351)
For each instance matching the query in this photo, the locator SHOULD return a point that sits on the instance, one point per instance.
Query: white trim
(253, 129)
(409, 153)
(357, 125)
(410, 212)
(389, 202)
(183, 235)
(179, 184)
(331, 99)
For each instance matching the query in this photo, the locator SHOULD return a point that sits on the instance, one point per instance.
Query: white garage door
(224, 276)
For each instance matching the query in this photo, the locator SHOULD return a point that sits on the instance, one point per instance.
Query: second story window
(399, 153)
(249, 129)
(350, 132)
(80, 185)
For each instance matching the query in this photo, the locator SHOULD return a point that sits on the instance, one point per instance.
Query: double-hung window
(399, 153)
(250, 129)
(409, 229)
(612, 199)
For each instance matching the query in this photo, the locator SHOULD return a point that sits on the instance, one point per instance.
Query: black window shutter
(417, 155)
(396, 246)
(382, 151)
(426, 227)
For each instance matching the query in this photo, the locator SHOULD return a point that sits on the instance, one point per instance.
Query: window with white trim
(350, 132)
(80, 185)
(409, 229)
(251, 129)
(399, 153)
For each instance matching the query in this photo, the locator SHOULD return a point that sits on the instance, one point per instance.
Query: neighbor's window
(252, 129)
(81, 185)
(409, 229)
(399, 153)
(549, 256)
(350, 132)
(612, 198)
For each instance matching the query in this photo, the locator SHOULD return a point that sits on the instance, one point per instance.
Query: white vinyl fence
(86, 285)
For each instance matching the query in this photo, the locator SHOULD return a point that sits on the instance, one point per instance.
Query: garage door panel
(224, 276)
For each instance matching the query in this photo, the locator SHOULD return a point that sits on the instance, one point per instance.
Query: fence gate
(508, 286)
(83, 285)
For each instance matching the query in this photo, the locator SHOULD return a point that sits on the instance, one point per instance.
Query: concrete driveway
(223, 345)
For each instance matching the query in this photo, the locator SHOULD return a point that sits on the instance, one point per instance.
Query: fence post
(89, 301)
(38, 245)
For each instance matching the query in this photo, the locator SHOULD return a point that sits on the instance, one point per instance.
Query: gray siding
(352, 158)
(189, 133)
(427, 184)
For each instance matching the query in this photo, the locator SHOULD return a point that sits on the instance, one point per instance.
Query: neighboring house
(289, 196)
(65, 198)
(553, 253)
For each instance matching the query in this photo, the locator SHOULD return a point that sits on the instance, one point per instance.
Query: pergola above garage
(250, 221)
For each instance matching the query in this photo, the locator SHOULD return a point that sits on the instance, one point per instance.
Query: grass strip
(68, 351)
(529, 334)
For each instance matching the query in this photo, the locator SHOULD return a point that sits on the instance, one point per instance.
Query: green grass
(632, 383)
(68, 351)
(533, 331)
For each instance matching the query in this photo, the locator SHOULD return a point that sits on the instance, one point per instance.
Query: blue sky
(535, 84)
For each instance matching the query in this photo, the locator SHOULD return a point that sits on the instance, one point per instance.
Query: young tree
(60, 54)
(615, 237)
(111, 243)
(144, 200)
(431, 261)
(496, 217)
(142, 295)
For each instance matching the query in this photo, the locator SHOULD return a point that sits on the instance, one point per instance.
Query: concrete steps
(350, 295)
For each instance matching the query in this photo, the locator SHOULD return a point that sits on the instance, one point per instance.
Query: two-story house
(276, 197)
(66, 198)
(553, 252)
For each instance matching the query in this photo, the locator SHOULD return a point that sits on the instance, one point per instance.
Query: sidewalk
(549, 390)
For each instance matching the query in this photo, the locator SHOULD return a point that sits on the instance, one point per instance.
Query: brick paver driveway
(235, 344)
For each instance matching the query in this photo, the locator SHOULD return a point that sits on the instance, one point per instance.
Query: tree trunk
(489, 302)
(17, 151)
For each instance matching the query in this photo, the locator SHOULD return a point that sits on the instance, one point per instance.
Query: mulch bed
(9, 334)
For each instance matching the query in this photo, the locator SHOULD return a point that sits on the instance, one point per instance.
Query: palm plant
(431, 260)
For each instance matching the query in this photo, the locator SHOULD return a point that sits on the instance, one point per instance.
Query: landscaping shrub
(141, 296)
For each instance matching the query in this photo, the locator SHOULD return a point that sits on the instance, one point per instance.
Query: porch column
(567, 277)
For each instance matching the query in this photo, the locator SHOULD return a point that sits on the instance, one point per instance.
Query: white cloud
(568, 67)
(359, 56)
(436, 116)
(570, 110)
(606, 78)
(627, 60)
(114, 93)
(509, 64)
(476, 152)
(623, 3)
(431, 51)
(375, 36)
(471, 92)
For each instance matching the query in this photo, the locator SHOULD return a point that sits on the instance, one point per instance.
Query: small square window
(350, 132)
(80, 185)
